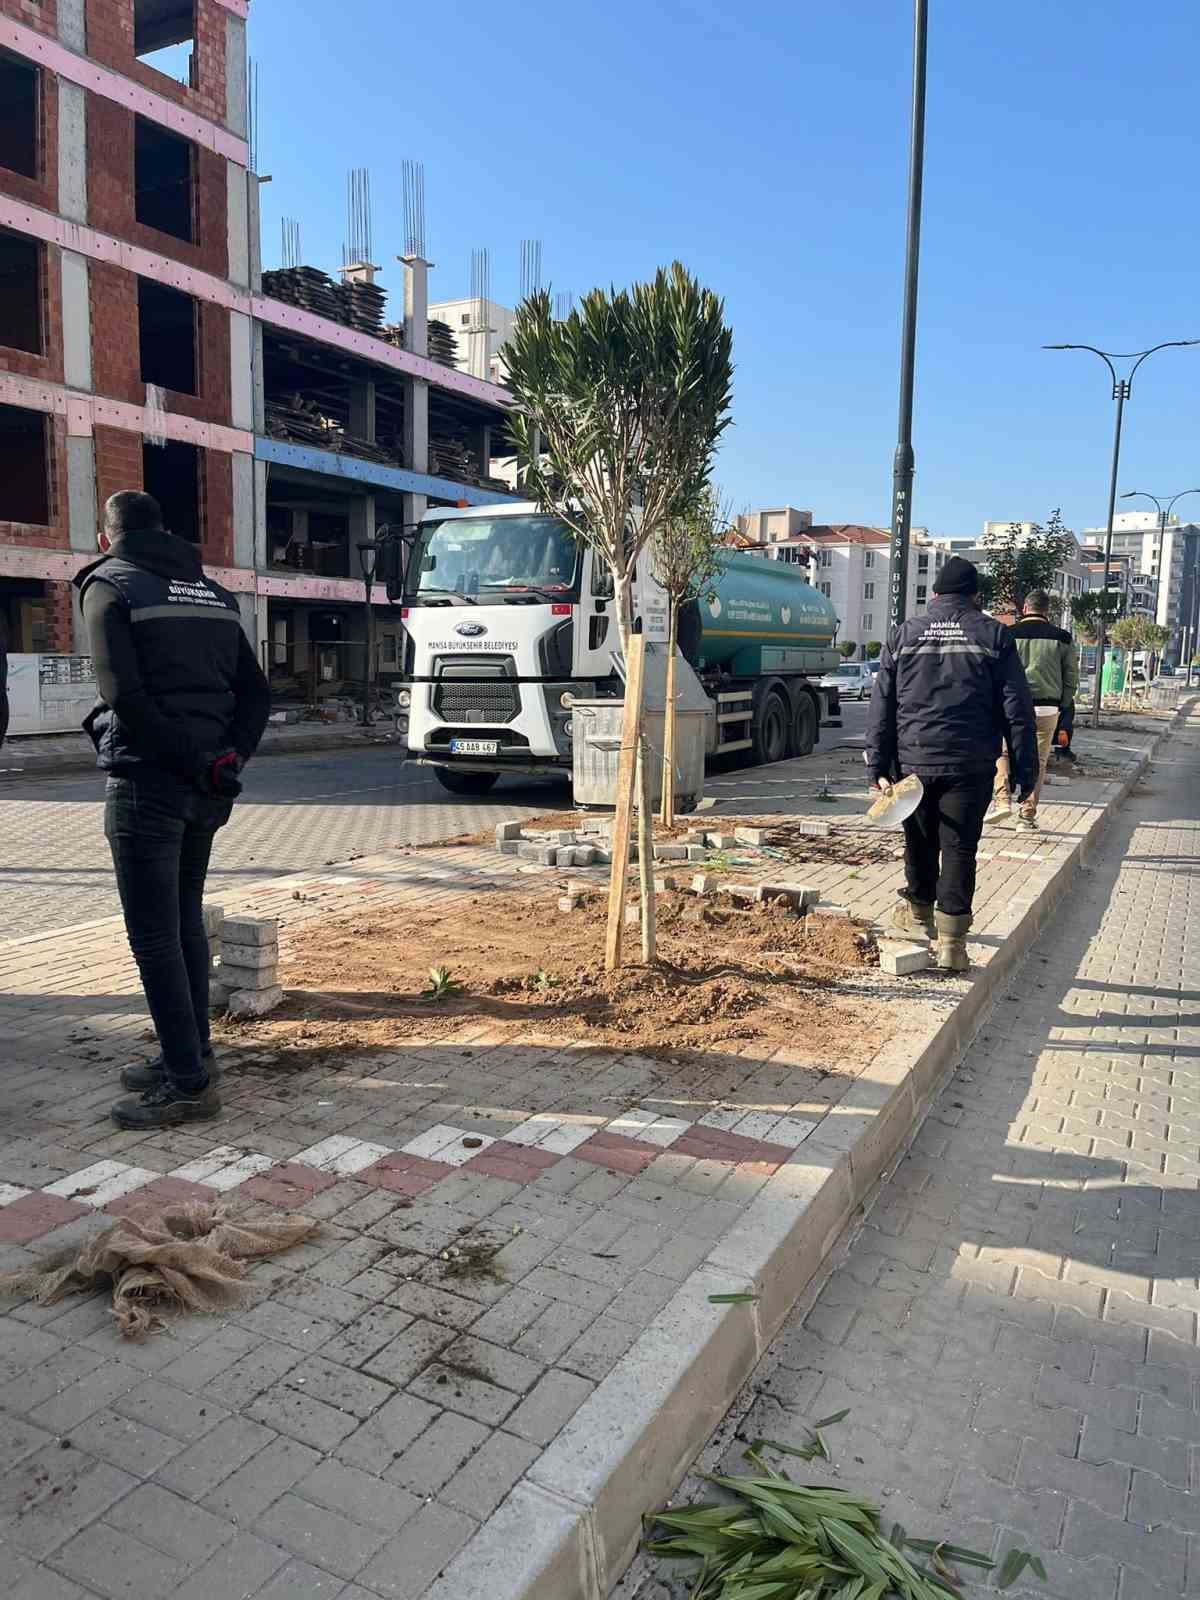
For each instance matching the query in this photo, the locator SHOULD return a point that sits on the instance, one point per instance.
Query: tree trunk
(668, 770)
(623, 816)
(646, 854)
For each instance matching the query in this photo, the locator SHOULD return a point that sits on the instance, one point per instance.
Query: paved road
(1015, 1329)
(298, 812)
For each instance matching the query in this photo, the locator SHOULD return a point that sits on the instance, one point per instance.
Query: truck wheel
(465, 782)
(804, 726)
(770, 730)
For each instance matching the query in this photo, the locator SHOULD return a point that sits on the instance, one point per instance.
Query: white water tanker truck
(509, 620)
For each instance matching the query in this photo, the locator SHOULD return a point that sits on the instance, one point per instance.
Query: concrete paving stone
(197, 1366)
(236, 1571)
(338, 1386)
(79, 1400)
(311, 1298)
(409, 1353)
(598, 1349)
(272, 1320)
(1174, 1384)
(507, 1320)
(302, 1417)
(353, 1346)
(43, 1584)
(30, 1389)
(342, 1545)
(1103, 1485)
(1118, 1406)
(198, 1469)
(459, 1389)
(479, 1486)
(385, 1437)
(549, 1406)
(418, 1299)
(171, 1410)
(255, 1372)
(259, 1482)
(186, 1532)
(114, 1563)
(359, 1496)
(297, 1579)
(437, 1455)
(49, 1496)
(1159, 1552)
(409, 1563)
(136, 1448)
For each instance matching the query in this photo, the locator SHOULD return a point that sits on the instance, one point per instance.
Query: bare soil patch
(737, 978)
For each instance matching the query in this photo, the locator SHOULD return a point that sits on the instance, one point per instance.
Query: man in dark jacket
(183, 704)
(949, 692)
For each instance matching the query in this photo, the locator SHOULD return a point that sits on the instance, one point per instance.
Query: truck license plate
(474, 747)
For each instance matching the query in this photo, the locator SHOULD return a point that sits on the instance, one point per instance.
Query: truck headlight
(404, 698)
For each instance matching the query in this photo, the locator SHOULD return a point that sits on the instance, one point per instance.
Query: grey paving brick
(354, 1345)
(553, 1333)
(387, 1435)
(438, 1454)
(19, 1439)
(114, 1563)
(298, 1579)
(1161, 1420)
(42, 1584)
(1104, 1485)
(549, 1406)
(236, 1571)
(458, 1390)
(1153, 1502)
(339, 1386)
(359, 1496)
(171, 1524)
(434, 1305)
(1160, 1553)
(302, 1417)
(248, 1491)
(198, 1469)
(479, 1486)
(409, 1353)
(342, 1545)
(80, 1400)
(50, 1496)
(409, 1563)
(170, 1409)
(200, 1365)
(282, 1324)
(138, 1449)
(255, 1372)
(596, 1352)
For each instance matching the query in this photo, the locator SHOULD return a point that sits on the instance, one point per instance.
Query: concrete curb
(32, 763)
(570, 1528)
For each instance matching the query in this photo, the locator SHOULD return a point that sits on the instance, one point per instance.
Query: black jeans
(941, 838)
(161, 834)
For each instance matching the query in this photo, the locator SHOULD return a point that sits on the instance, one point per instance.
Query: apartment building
(1164, 554)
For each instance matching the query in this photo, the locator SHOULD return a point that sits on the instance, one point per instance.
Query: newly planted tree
(1086, 611)
(848, 649)
(687, 561)
(1019, 563)
(619, 409)
(874, 649)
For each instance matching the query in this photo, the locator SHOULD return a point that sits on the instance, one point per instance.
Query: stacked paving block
(214, 916)
(248, 977)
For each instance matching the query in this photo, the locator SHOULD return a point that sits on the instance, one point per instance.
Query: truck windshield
(465, 555)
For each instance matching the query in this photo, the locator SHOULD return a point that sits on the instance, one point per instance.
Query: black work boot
(143, 1075)
(166, 1106)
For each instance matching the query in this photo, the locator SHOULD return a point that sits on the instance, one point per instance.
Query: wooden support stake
(631, 729)
(646, 854)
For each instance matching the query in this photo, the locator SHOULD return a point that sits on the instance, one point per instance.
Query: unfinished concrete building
(140, 347)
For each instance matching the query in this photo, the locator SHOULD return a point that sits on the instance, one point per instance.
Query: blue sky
(765, 145)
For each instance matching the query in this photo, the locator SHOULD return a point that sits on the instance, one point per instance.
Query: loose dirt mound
(736, 976)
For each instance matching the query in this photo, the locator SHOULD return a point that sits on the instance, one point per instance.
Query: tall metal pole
(1121, 390)
(368, 647)
(904, 463)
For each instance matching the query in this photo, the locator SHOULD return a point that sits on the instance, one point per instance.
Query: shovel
(896, 804)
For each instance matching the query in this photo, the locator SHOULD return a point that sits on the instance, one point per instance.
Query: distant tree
(1018, 564)
(1157, 638)
(874, 649)
(987, 588)
(1086, 611)
(849, 649)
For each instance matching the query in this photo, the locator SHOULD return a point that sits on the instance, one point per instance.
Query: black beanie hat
(957, 577)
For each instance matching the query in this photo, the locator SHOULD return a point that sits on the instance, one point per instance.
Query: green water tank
(760, 617)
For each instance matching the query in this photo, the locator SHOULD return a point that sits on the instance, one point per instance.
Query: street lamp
(903, 463)
(1164, 516)
(368, 557)
(1122, 389)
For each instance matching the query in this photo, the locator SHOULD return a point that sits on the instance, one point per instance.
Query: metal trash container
(596, 736)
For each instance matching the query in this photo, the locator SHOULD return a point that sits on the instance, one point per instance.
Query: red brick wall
(111, 196)
(39, 14)
(49, 365)
(31, 535)
(216, 508)
(60, 619)
(110, 40)
(116, 356)
(118, 463)
(43, 190)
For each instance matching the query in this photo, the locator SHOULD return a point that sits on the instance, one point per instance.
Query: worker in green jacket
(1051, 665)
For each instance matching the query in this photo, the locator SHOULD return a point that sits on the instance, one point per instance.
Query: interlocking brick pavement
(346, 1431)
(1015, 1327)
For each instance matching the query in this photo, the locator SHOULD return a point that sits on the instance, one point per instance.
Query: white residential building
(774, 525)
(1071, 579)
(480, 328)
(1157, 553)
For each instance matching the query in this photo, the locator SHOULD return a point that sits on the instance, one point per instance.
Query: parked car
(853, 681)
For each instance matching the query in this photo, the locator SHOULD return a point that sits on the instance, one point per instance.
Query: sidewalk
(1014, 1329)
(495, 1355)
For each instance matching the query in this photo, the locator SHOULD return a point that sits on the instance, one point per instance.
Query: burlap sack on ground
(187, 1257)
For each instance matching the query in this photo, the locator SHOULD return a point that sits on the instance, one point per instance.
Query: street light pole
(368, 555)
(1122, 389)
(904, 462)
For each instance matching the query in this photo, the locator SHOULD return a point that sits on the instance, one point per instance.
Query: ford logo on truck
(471, 630)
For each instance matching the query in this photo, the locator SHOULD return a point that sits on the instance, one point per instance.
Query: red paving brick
(36, 1214)
(404, 1174)
(713, 1144)
(617, 1153)
(516, 1163)
(289, 1184)
(162, 1192)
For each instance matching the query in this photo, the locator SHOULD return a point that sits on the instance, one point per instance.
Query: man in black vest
(183, 704)
(949, 693)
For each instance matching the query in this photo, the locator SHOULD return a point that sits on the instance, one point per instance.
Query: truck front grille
(477, 691)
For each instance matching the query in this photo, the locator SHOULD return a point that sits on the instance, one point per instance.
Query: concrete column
(416, 304)
(241, 371)
(260, 561)
(362, 527)
(236, 104)
(243, 509)
(81, 494)
(238, 187)
(76, 321)
(362, 410)
(71, 27)
(72, 150)
(254, 208)
(258, 384)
